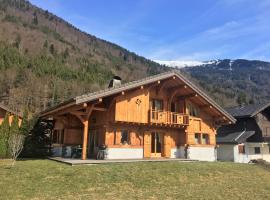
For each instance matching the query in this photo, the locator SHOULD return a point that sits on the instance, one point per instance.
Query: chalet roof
(131, 85)
(10, 111)
(247, 110)
(234, 137)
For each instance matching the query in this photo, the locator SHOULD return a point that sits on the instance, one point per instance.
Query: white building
(249, 138)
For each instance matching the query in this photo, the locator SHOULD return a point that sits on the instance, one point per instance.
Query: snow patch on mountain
(185, 63)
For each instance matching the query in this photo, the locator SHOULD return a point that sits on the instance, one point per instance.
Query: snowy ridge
(185, 63)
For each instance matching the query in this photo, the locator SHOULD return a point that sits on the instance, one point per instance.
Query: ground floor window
(241, 149)
(197, 138)
(257, 150)
(205, 139)
(58, 137)
(125, 137)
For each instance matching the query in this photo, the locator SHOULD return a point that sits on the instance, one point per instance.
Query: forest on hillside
(45, 60)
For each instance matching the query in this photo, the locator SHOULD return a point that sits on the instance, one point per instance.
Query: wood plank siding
(166, 111)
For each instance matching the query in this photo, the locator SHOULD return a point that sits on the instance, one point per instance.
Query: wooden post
(85, 139)
(84, 118)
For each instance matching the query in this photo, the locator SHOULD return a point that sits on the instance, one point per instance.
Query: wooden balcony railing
(168, 118)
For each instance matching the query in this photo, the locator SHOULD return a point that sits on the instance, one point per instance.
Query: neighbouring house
(4, 110)
(249, 138)
(160, 116)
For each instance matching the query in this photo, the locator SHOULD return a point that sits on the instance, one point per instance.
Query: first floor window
(157, 104)
(257, 150)
(197, 138)
(205, 139)
(193, 110)
(125, 139)
(58, 137)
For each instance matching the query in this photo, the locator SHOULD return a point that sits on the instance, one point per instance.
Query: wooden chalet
(160, 116)
(4, 110)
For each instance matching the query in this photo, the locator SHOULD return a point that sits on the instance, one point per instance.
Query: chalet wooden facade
(160, 116)
(4, 110)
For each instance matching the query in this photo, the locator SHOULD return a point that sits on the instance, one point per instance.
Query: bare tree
(15, 145)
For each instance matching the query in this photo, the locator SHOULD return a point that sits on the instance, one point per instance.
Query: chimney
(115, 82)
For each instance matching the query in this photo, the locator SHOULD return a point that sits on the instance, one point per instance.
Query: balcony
(168, 118)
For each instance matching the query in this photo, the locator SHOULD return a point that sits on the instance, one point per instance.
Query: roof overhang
(10, 111)
(260, 109)
(87, 98)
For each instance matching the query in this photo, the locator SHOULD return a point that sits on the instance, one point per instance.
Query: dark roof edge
(260, 109)
(47, 111)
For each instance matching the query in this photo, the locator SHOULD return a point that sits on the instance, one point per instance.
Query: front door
(92, 143)
(156, 144)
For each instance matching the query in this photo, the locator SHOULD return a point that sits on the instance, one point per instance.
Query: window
(125, 139)
(267, 131)
(257, 150)
(192, 110)
(174, 107)
(197, 138)
(114, 137)
(157, 104)
(241, 149)
(205, 139)
(58, 137)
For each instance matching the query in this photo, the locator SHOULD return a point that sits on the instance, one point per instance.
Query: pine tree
(4, 135)
(25, 126)
(13, 130)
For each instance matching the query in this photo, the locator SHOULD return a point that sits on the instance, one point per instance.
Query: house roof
(234, 137)
(131, 85)
(247, 110)
(10, 111)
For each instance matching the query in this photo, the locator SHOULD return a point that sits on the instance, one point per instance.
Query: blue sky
(174, 29)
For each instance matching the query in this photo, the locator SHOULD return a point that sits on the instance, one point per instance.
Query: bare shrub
(15, 145)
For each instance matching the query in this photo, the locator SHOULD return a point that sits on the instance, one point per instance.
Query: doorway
(156, 144)
(92, 143)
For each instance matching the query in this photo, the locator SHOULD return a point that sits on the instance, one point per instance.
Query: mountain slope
(45, 60)
(233, 82)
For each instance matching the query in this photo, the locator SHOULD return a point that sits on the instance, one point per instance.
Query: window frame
(127, 141)
(153, 104)
(199, 138)
(58, 137)
(193, 110)
(241, 149)
(207, 139)
(257, 152)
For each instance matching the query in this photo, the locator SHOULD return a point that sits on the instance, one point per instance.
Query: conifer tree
(4, 135)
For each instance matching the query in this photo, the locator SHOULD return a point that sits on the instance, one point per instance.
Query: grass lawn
(44, 179)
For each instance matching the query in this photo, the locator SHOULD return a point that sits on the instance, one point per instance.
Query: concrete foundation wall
(124, 153)
(202, 153)
(178, 152)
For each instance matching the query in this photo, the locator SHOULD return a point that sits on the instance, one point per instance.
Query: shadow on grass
(263, 164)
